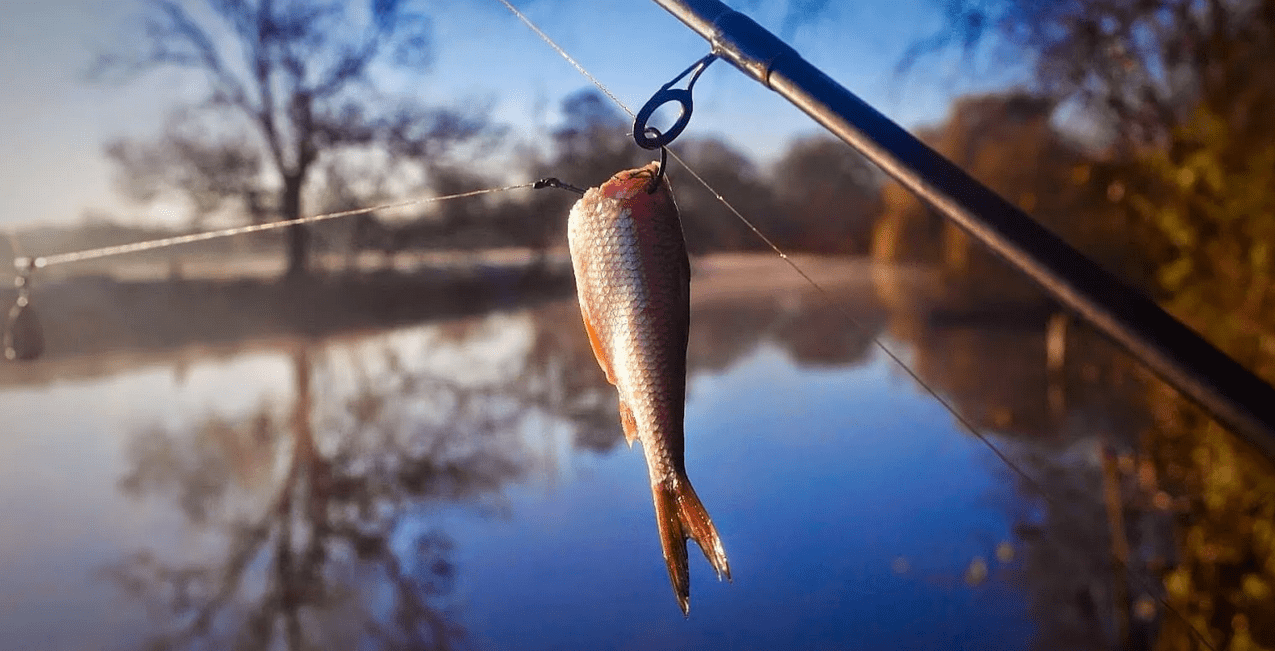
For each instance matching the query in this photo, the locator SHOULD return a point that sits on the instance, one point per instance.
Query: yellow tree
(1182, 93)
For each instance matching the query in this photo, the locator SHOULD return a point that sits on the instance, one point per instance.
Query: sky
(54, 122)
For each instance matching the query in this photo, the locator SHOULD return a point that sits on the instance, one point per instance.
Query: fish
(633, 282)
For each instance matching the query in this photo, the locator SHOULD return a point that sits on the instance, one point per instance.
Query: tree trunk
(298, 238)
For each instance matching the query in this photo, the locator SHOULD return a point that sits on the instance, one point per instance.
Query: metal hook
(664, 95)
(659, 175)
(23, 337)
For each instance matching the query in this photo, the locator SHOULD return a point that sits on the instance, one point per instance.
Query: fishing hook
(659, 174)
(664, 95)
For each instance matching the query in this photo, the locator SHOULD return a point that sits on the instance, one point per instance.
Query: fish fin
(596, 343)
(680, 515)
(629, 423)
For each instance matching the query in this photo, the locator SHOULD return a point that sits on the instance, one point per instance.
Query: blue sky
(54, 123)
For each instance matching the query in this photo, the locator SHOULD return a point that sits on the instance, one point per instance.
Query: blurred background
(388, 430)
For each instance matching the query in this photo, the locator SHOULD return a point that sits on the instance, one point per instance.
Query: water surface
(462, 483)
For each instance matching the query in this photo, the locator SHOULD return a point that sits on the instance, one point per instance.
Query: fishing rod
(1236, 397)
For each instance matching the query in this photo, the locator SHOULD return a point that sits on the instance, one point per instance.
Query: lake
(462, 482)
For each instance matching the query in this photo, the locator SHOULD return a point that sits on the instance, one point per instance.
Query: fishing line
(557, 48)
(968, 425)
(965, 423)
(786, 258)
(148, 245)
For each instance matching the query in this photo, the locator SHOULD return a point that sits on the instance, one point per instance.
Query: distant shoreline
(94, 323)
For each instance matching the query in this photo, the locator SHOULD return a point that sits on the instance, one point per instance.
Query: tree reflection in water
(320, 519)
(318, 516)
(317, 519)
(1089, 542)
(1145, 525)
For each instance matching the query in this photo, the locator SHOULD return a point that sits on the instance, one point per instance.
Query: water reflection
(311, 509)
(306, 554)
(1058, 399)
(459, 482)
(313, 514)
(1122, 521)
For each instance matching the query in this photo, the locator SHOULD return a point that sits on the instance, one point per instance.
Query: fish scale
(633, 283)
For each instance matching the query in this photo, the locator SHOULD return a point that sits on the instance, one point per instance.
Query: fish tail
(680, 515)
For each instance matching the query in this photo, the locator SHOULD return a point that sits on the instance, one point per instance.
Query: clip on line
(553, 182)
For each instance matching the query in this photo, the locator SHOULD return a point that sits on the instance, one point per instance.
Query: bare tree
(290, 82)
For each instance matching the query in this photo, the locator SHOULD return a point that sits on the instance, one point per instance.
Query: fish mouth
(628, 183)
